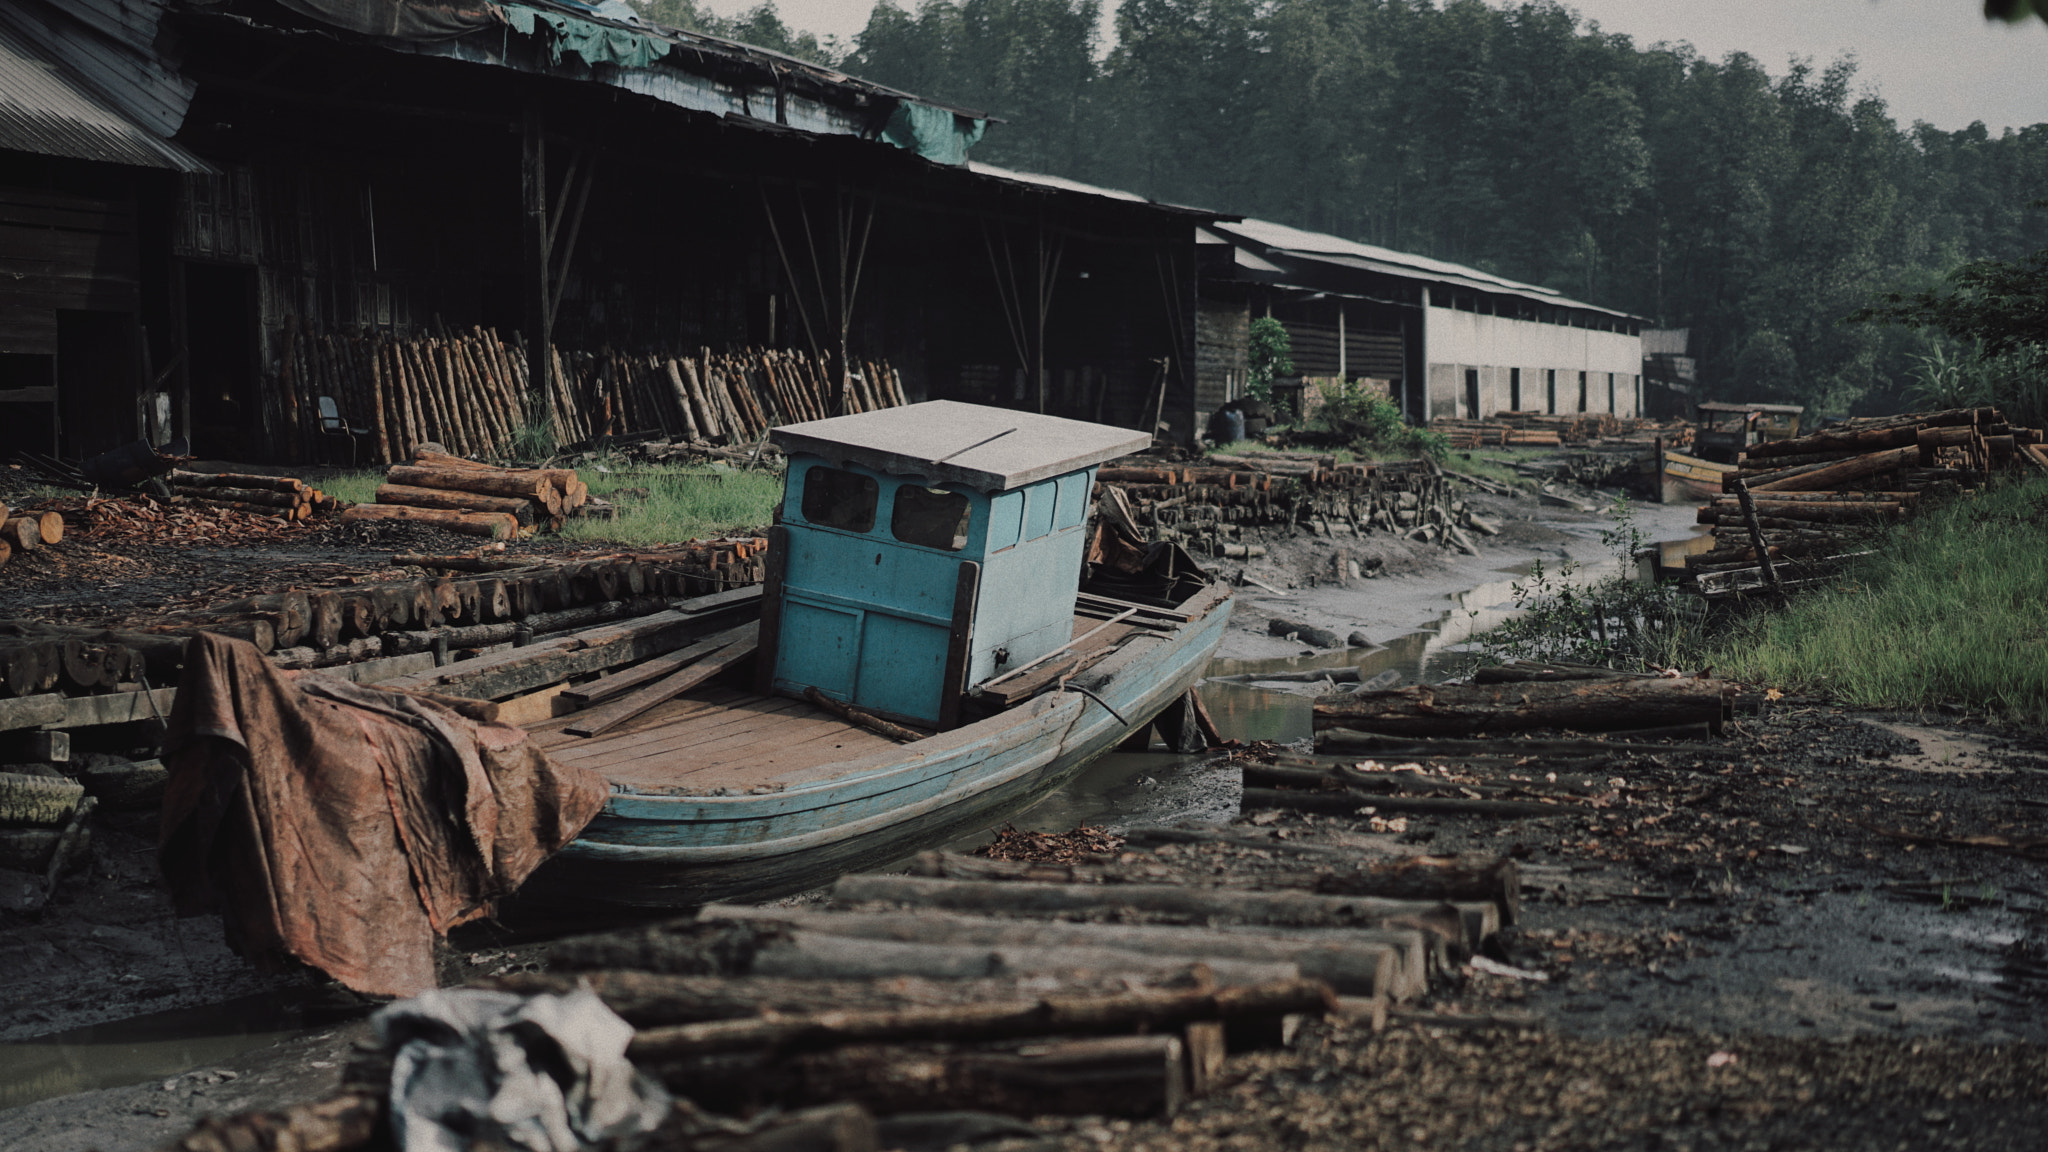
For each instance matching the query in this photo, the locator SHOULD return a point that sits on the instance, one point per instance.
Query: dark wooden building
(589, 182)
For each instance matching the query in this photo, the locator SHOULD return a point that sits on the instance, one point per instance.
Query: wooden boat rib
(726, 793)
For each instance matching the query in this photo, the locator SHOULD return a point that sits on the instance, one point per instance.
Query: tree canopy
(1756, 209)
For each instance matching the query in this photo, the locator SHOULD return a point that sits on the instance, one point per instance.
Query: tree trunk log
(1047, 1016)
(529, 485)
(495, 525)
(526, 511)
(1459, 710)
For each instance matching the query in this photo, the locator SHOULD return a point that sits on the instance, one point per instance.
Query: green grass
(353, 487)
(1496, 464)
(678, 504)
(1954, 609)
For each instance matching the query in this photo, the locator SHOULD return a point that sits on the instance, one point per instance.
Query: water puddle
(162, 1044)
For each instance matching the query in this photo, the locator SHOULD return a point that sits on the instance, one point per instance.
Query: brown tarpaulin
(347, 826)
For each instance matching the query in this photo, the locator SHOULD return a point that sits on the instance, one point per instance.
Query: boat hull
(676, 852)
(1689, 479)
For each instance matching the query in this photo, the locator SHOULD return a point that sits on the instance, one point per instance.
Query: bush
(1269, 353)
(1374, 423)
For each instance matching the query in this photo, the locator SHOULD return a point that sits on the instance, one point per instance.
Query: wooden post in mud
(1756, 537)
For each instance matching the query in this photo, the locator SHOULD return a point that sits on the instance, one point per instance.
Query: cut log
(1458, 710)
(530, 485)
(1049, 1016)
(1125, 1076)
(1536, 671)
(1197, 905)
(180, 477)
(257, 497)
(495, 525)
(1345, 740)
(1854, 468)
(477, 564)
(1806, 513)
(22, 533)
(37, 800)
(50, 525)
(1352, 967)
(527, 512)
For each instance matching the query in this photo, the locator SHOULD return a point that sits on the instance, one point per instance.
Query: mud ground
(1789, 945)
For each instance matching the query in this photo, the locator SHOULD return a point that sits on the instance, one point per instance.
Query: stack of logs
(1465, 435)
(500, 602)
(1511, 429)
(1818, 499)
(285, 497)
(474, 499)
(27, 531)
(1095, 987)
(469, 391)
(1208, 507)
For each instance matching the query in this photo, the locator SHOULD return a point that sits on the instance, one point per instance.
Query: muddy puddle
(161, 1044)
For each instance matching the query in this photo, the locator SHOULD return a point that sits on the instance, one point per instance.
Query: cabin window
(1005, 519)
(1038, 510)
(930, 518)
(1073, 505)
(835, 498)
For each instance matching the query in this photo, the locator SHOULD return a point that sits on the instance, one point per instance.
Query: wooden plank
(112, 708)
(710, 730)
(383, 668)
(716, 601)
(597, 720)
(959, 642)
(584, 695)
(521, 670)
(532, 707)
(45, 711)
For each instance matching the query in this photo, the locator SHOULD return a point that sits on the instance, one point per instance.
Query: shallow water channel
(1118, 790)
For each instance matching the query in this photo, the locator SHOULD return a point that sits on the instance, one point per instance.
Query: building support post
(533, 232)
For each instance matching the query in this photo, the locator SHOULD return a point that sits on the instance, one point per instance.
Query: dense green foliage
(1953, 610)
(1269, 352)
(1755, 209)
(1374, 423)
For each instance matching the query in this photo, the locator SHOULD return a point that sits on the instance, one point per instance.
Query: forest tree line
(1758, 210)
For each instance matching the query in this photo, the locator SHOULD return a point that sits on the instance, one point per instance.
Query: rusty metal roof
(48, 108)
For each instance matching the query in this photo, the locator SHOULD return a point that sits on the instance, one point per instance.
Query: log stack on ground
(469, 391)
(287, 497)
(472, 498)
(1823, 498)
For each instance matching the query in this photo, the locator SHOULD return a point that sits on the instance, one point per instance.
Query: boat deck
(717, 736)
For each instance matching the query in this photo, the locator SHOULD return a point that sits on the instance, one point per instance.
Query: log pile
(1511, 429)
(1113, 984)
(1795, 509)
(1208, 507)
(469, 391)
(285, 497)
(474, 499)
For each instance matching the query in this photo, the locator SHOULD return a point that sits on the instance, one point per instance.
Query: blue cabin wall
(1030, 572)
(867, 618)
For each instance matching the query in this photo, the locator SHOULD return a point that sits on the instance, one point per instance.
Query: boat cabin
(1726, 430)
(924, 549)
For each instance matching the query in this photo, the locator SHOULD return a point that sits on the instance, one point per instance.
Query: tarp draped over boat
(347, 826)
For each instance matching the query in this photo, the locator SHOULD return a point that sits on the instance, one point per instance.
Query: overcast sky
(1933, 60)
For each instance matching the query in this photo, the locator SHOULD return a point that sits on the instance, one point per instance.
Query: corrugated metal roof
(107, 57)
(47, 109)
(1062, 184)
(1336, 250)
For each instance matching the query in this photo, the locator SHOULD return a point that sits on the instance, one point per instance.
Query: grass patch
(1953, 610)
(353, 487)
(666, 505)
(1497, 464)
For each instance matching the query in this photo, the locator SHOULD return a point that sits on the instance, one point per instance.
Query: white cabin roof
(991, 449)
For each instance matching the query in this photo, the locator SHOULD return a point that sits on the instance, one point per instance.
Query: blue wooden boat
(927, 570)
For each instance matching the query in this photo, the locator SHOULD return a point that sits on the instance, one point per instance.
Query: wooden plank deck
(718, 736)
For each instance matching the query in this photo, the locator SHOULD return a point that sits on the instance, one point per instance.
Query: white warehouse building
(1446, 340)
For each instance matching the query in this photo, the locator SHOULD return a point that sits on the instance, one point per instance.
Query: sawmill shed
(561, 172)
(1441, 339)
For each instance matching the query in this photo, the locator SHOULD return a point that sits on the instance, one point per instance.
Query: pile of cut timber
(1817, 500)
(283, 496)
(470, 392)
(751, 1007)
(1209, 506)
(28, 530)
(1468, 434)
(475, 499)
(179, 520)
